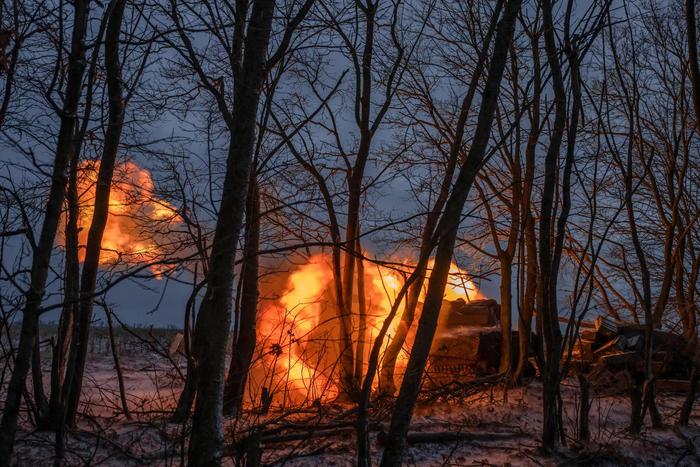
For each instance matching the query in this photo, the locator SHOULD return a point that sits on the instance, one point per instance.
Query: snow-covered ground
(505, 428)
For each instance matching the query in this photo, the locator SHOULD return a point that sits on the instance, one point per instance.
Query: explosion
(138, 224)
(298, 332)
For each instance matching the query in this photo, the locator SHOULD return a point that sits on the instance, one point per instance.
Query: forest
(349, 232)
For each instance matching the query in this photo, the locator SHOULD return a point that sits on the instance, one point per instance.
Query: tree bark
(387, 384)
(691, 30)
(244, 346)
(10, 69)
(627, 169)
(446, 234)
(184, 403)
(636, 415)
(506, 295)
(71, 288)
(687, 407)
(362, 316)
(551, 243)
(527, 306)
(88, 279)
(668, 270)
(584, 431)
(40, 401)
(213, 322)
(42, 251)
(117, 365)
(333, 224)
(687, 303)
(349, 383)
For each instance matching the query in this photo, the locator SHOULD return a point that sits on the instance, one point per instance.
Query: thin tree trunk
(52, 214)
(584, 432)
(527, 307)
(387, 384)
(56, 415)
(636, 418)
(506, 295)
(687, 407)
(117, 365)
(349, 384)
(244, 346)
(334, 226)
(691, 29)
(667, 278)
(446, 234)
(362, 316)
(627, 170)
(214, 319)
(690, 322)
(679, 286)
(40, 401)
(70, 300)
(184, 403)
(11, 68)
(551, 243)
(88, 280)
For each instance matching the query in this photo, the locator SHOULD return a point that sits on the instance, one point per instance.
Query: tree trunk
(70, 300)
(117, 365)
(362, 316)
(334, 227)
(52, 214)
(506, 321)
(627, 169)
(686, 313)
(690, 331)
(687, 408)
(387, 384)
(88, 280)
(214, 319)
(10, 69)
(636, 416)
(584, 432)
(667, 277)
(184, 403)
(446, 234)
(349, 384)
(244, 346)
(550, 261)
(40, 401)
(527, 307)
(691, 30)
(346, 357)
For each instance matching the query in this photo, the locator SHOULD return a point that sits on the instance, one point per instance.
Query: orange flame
(138, 221)
(298, 333)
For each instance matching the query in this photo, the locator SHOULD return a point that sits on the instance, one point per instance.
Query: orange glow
(298, 332)
(138, 221)
(458, 285)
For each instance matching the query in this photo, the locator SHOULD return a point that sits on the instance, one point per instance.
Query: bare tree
(445, 235)
(242, 353)
(250, 29)
(455, 151)
(42, 250)
(76, 362)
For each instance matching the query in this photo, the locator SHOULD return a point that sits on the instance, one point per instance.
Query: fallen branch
(419, 437)
(457, 389)
(306, 434)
